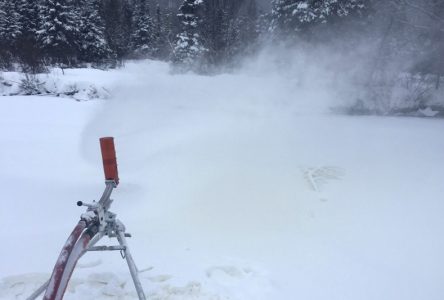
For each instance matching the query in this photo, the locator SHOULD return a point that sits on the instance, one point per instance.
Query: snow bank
(78, 84)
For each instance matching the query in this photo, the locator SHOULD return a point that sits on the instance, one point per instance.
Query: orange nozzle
(109, 159)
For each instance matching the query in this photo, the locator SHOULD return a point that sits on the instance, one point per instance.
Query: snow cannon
(109, 159)
(97, 222)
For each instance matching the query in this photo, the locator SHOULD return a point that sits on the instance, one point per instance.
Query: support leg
(39, 291)
(131, 265)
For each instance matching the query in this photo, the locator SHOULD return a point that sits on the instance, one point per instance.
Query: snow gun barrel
(94, 224)
(109, 159)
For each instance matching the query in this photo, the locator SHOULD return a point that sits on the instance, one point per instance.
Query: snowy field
(235, 186)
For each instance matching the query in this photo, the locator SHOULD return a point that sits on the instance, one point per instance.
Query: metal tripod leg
(131, 265)
(39, 291)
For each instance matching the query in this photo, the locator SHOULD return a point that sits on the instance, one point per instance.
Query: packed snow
(236, 186)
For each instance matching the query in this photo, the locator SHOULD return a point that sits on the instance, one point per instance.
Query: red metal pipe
(109, 159)
(76, 253)
(59, 268)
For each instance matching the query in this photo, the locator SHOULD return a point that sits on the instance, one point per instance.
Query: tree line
(199, 34)
(203, 34)
(70, 33)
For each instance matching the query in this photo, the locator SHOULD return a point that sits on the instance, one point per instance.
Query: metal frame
(94, 224)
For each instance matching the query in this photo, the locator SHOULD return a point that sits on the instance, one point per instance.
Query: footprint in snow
(320, 176)
(160, 278)
(228, 275)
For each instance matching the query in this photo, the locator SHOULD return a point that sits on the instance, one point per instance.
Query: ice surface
(217, 189)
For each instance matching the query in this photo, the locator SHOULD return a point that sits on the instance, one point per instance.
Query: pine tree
(7, 26)
(58, 33)
(2, 24)
(10, 26)
(161, 35)
(326, 11)
(292, 16)
(216, 31)
(251, 28)
(28, 50)
(282, 20)
(243, 31)
(229, 27)
(28, 11)
(143, 37)
(430, 59)
(190, 47)
(93, 45)
(117, 15)
(172, 26)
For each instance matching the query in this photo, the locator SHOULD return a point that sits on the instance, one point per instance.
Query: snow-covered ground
(237, 186)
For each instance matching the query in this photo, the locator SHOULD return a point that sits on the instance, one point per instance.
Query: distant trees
(430, 29)
(59, 31)
(224, 30)
(27, 48)
(143, 39)
(237, 21)
(39, 33)
(297, 17)
(245, 29)
(206, 34)
(190, 46)
(93, 44)
(10, 30)
(118, 16)
(162, 33)
(282, 19)
(405, 65)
